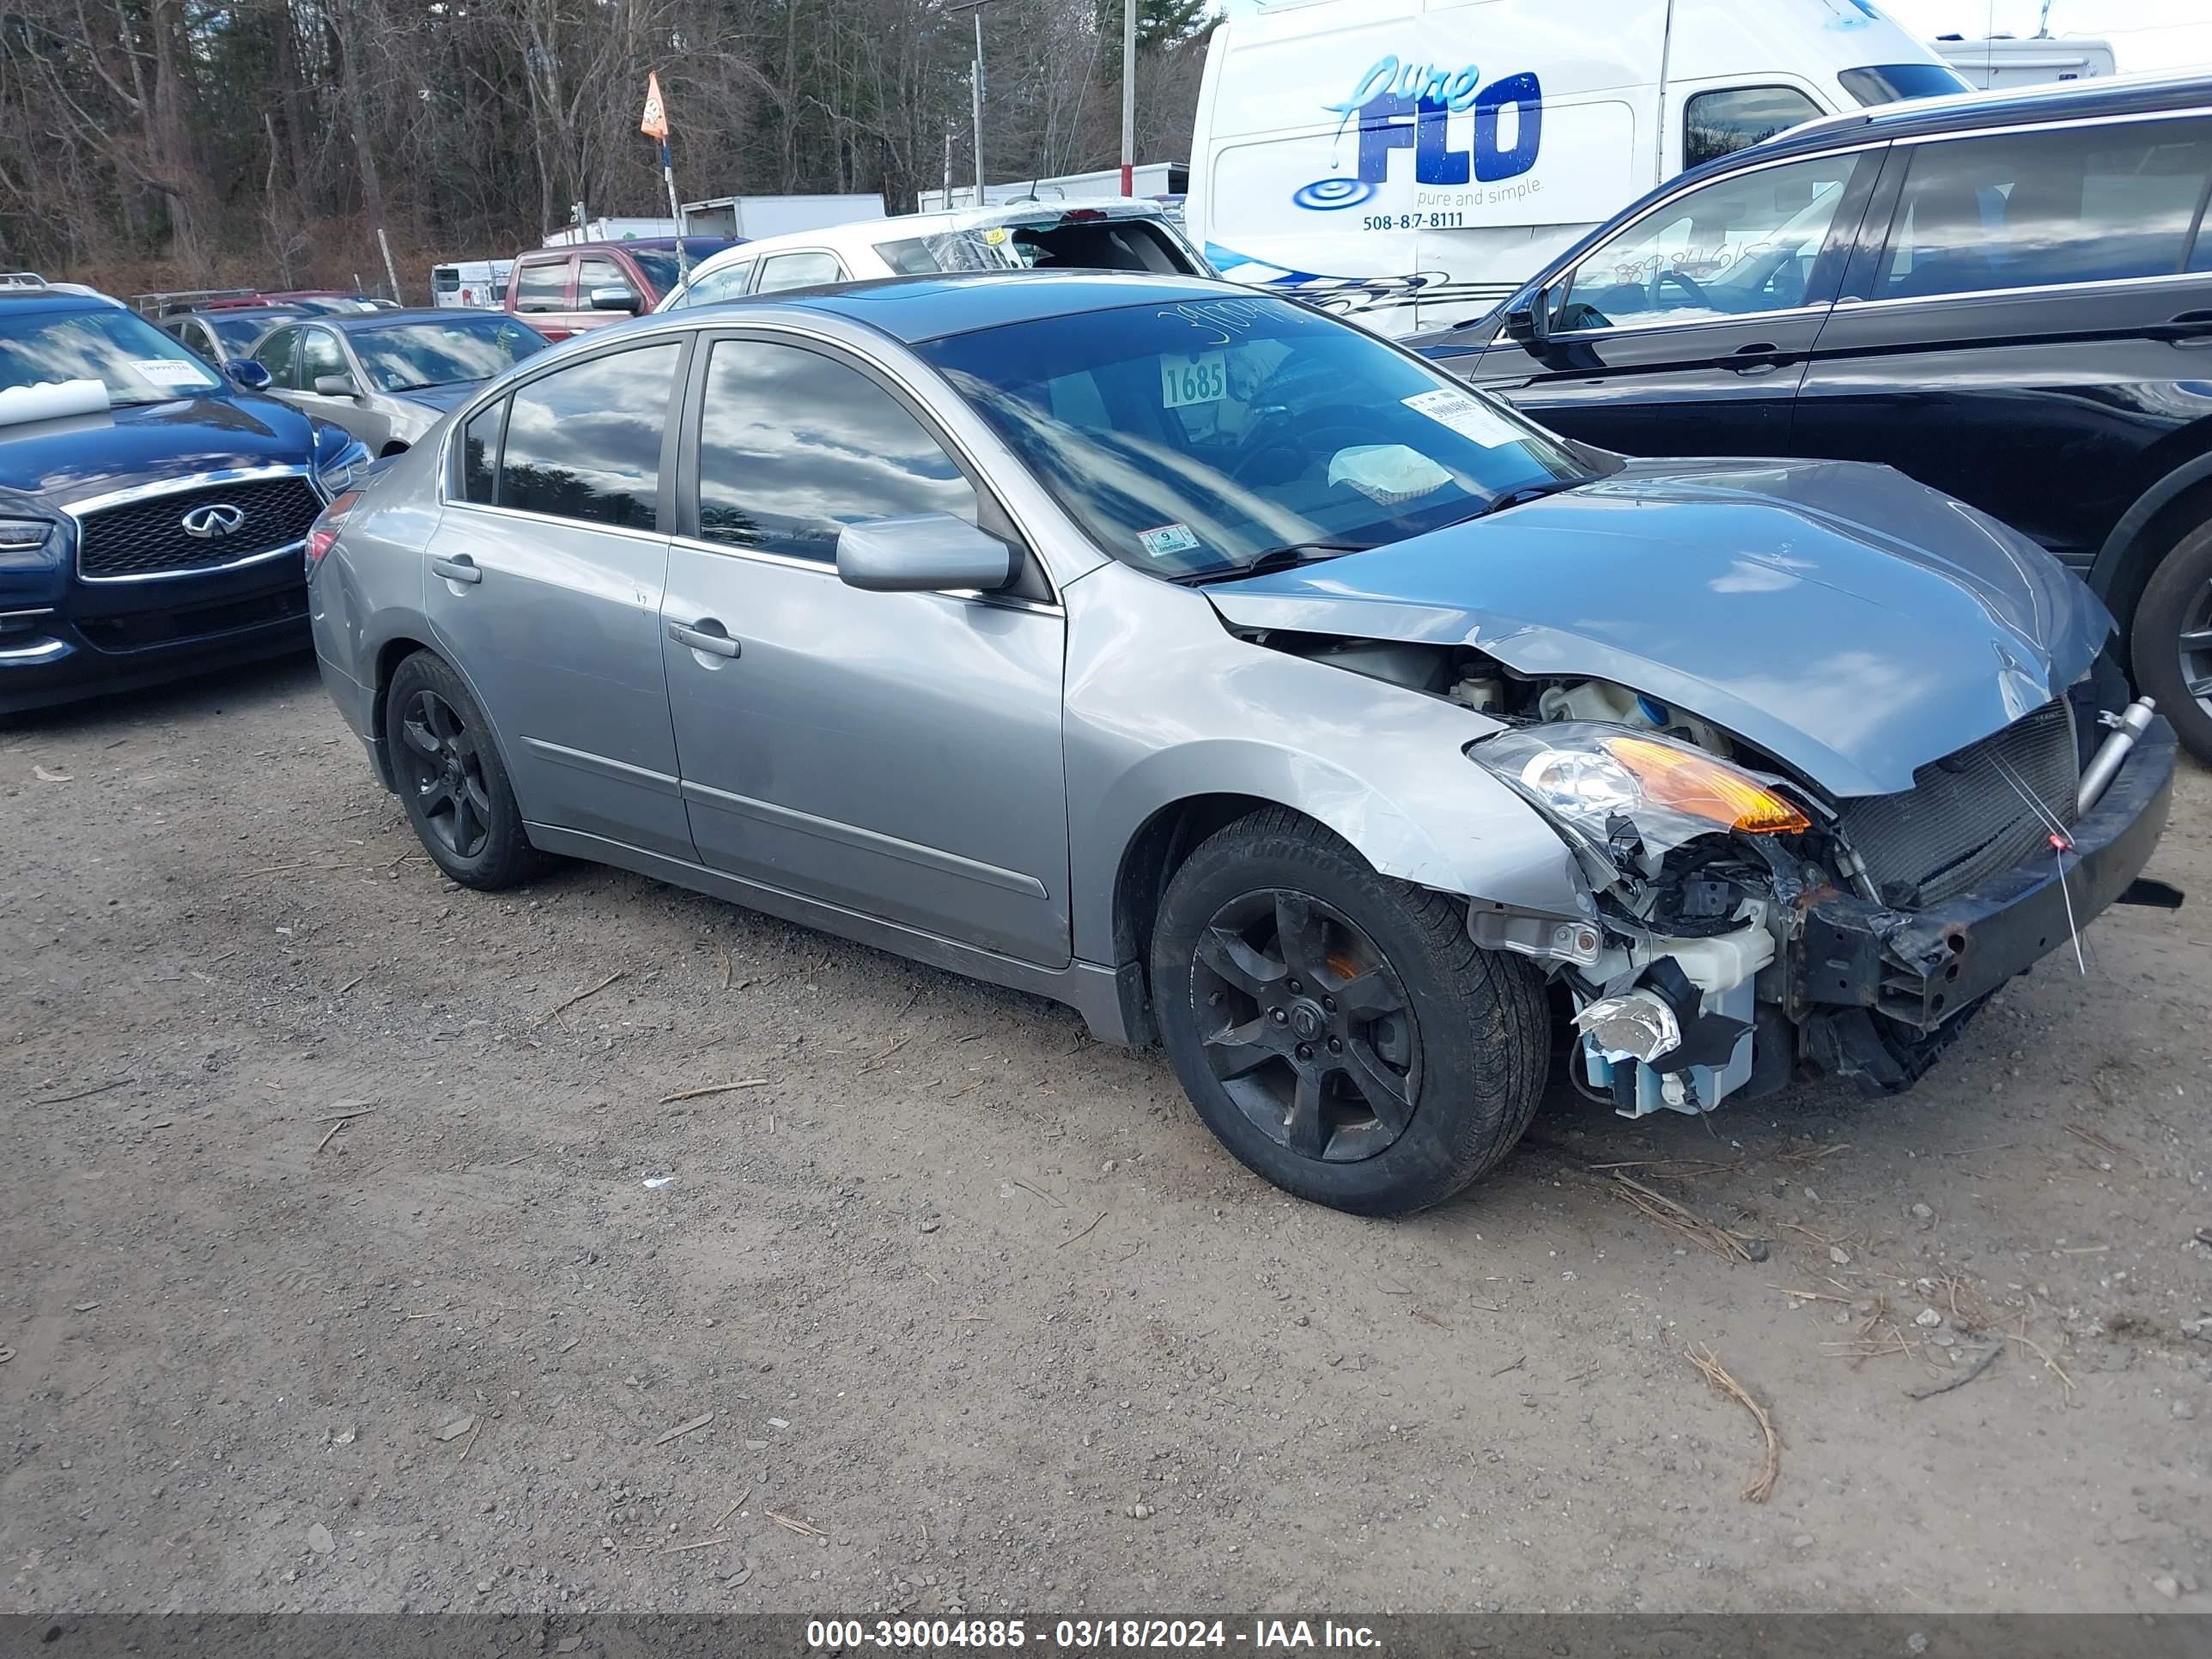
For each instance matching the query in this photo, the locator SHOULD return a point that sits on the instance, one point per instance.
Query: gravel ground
(944, 1307)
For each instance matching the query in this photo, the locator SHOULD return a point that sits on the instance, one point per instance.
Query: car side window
(725, 284)
(274, 354)
(542, 285)
(1737, 246)
(189, 332)
(599, 273)
(1730, 118)
(319, 354)
(2031, 210)
(794, 446)
(480, 454)
(584, 441)
(783, 271)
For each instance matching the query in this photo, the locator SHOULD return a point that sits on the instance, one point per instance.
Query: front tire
(2171, 642)
(1336, 1029)
(452, 779)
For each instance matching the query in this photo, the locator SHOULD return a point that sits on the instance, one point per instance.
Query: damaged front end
(1751, 930)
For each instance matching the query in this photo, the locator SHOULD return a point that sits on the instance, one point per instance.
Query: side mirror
(1530, 323)
(921, 554)
(245, 371)
(336, 385)
(616, 299)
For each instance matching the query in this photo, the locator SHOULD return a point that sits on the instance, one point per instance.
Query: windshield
(408, 356)
(1055, 241)
(135, 360)
(1194, 437)
(1885, 83)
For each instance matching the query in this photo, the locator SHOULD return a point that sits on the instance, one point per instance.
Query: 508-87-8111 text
(1086, 1635)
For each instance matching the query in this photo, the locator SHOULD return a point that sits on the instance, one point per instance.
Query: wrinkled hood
(57, 462)
(1850, 623)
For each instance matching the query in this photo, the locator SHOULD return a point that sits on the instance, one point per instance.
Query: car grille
(147, 538)
(1963, 818)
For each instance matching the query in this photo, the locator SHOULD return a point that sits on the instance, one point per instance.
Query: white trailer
(2004, 60)
(749, 218)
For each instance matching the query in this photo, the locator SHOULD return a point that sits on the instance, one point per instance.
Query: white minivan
(1409, 162)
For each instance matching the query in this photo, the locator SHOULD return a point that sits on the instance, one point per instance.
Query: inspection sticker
(1469, 416)
(165, 371)
(1168, 540)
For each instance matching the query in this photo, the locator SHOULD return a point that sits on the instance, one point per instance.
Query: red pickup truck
(562, 291)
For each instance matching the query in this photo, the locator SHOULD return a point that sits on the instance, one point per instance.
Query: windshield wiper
(1522, 496)
(1288, 556)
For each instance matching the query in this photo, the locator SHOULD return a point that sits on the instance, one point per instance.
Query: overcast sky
(2146, 34)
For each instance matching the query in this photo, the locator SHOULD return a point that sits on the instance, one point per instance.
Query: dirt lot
(983, 1318)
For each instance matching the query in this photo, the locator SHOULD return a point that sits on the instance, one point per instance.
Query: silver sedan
(1233, 677)
(387, 377)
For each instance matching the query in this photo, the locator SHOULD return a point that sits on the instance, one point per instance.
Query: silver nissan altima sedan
(1232, 675)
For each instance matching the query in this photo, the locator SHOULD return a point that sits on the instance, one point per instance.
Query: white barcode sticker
(1470, 417)
(169, 371)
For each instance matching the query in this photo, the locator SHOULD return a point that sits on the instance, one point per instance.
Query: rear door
(1687, 332)
(543, 584)
(2029, 312)
(544, 286)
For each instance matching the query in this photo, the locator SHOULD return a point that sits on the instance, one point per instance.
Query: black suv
(2008, 296)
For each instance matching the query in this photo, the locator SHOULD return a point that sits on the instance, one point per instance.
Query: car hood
(1851, 624)
(440, 399)
(56, 463)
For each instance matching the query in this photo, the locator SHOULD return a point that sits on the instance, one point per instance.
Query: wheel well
(389, 656)
(1148, 863)
(2189, 509)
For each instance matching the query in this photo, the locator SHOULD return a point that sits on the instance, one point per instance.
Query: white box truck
(1409, 162)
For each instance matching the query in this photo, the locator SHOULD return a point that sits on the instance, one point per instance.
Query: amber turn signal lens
(1703, 787)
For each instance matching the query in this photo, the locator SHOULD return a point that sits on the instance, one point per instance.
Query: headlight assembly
(336, 476)
(23, 543)
(1586, 776)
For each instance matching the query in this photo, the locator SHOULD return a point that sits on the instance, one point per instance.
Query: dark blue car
(152, 515)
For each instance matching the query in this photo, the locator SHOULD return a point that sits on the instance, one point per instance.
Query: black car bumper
(1922, 968)
(157, 633)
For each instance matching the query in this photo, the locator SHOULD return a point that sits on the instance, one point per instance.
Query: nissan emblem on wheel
(1249, 685)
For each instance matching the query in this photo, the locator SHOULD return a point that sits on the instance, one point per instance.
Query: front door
(1687, 331)
(544, 288)
(544, 585)
(898, 755)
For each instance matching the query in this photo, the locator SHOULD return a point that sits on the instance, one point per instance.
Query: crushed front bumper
(1922, 968)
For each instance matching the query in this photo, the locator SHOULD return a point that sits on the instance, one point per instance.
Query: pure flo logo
(1407, 105)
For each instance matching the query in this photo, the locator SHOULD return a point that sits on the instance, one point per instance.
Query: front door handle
(461, 570)
(2191, 328)
(717, 642)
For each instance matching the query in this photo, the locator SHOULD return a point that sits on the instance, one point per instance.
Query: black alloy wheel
(442, 763)
(2172, 640)
(1307, 1027)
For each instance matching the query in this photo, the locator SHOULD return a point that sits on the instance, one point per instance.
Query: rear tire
(451, 777)
(1336, 1029)
(2171, 642)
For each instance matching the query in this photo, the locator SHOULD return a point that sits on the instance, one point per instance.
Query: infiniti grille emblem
(214, 521)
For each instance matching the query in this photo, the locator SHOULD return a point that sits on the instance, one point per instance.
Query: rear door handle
(1755, 358)
(717, 643)
(462, 569)
(2191, 328)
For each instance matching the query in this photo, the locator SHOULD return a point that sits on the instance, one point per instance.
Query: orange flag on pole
(655, 124)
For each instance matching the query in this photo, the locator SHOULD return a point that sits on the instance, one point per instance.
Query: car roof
(914, 309)
(869, 233)
(2057, 101)
(659, 243)
(56, 297)
(346, 321)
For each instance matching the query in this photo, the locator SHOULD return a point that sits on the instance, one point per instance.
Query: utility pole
(946, 201)
(1128, 97)
(976, 92)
